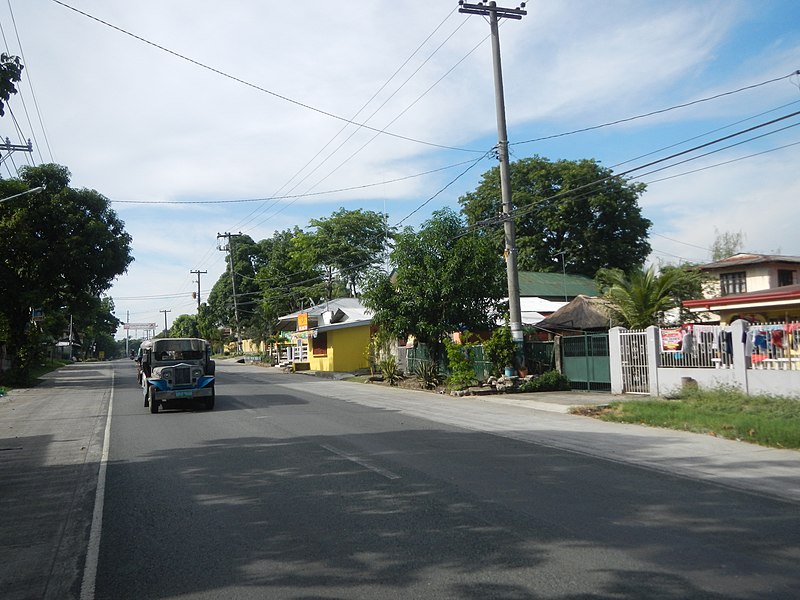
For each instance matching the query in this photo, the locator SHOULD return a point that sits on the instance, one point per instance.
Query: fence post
(653, 357)
(615, 359)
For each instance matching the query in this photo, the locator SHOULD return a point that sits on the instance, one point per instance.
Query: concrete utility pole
(198, 273)
(494, 13)
(229, 248)
(165, 319)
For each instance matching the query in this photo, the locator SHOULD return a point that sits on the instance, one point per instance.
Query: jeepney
(175, 370)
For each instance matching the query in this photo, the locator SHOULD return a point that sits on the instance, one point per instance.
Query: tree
(60, 249)
(288, 281)
(184, 326)
(726, 244)
(598, 225)
(349, 242)
(640, 298)
(245, 255)
(10, 76)
(445, 279)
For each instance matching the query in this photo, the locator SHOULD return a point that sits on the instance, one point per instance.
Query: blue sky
(140, 124)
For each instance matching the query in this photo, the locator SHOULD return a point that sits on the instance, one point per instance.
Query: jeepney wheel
(210, 401)
(151, 397)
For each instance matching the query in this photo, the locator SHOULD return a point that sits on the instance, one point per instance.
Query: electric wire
(356, 152)
(306, 195)
(24, 104)
(657, 112)
(30, 85)
(258, 87)
(344, 127)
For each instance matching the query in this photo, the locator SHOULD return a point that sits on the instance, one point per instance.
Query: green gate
(585, 362)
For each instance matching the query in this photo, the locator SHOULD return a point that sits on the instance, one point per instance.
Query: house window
(733, 283)
(320, 344)
(785, 277)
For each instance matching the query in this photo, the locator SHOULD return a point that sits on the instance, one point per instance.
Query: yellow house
(340, 347)
(331, 336)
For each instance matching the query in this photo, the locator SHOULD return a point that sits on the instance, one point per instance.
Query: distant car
(175, 370)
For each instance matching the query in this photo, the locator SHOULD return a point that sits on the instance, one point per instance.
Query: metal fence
(774, 346)
(696, 347)
(538, 357)
(769, 346)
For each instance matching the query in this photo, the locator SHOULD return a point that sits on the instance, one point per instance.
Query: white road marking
(93, 550)
(361, 461)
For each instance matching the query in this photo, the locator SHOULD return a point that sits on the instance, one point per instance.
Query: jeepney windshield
(179, 349)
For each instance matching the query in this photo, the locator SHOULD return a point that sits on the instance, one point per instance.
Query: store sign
(302, 322)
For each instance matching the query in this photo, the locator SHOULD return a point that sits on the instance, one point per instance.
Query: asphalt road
(304, 489)
(284, 493)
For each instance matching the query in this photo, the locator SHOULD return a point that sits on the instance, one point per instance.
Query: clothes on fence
(687, 342)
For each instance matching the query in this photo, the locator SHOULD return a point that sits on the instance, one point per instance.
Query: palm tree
(640, 298)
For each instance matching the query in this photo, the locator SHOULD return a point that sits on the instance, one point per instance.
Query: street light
(30, 191)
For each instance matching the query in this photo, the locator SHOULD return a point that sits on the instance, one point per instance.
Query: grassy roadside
(35, 373)
(765, 420)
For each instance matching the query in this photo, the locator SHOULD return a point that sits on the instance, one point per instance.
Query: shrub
(462, 373)
(391, 373)
(427, 374)
(500, 350)
(551, 381)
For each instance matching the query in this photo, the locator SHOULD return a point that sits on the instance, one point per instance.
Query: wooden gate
(585, 362)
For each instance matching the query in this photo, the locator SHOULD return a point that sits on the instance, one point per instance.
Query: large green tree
(60, 249)
(445, 279)
(184, 326)
(574, 207)
(287, 278)
(347, 245)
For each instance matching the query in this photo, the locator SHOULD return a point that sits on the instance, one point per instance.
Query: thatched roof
(581, 314)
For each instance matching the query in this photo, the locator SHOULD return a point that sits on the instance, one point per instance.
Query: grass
(765, 420)
(37, 371)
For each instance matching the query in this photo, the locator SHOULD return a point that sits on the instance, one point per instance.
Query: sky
(197, 118)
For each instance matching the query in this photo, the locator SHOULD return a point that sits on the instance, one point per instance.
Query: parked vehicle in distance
(171, 370)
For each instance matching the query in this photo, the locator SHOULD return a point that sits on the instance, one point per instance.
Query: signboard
(37, 314)
(139, 326)
(302, 322)
(671, 340)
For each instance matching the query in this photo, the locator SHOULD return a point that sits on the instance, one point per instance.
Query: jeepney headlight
(166, 373)
(197, 373)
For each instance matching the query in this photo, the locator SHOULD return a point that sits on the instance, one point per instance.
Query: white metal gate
(635, 374)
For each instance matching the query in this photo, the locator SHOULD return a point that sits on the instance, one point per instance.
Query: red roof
(780, 294)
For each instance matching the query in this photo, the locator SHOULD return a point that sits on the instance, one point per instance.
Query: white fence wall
(737, 371)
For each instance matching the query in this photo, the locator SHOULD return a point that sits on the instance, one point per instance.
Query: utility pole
(229, 248)
(494, 13)
(165, 320)
(127, 333)
(9, 149)
(198, 273)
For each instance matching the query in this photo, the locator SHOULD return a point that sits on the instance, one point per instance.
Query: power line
(305, 195)
(249, 217)
(258, 87)
(656, 112)
(30, 84)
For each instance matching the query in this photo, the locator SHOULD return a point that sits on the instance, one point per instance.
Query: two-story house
(757, 287)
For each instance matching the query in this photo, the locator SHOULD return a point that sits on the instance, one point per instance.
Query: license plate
(183, 393)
